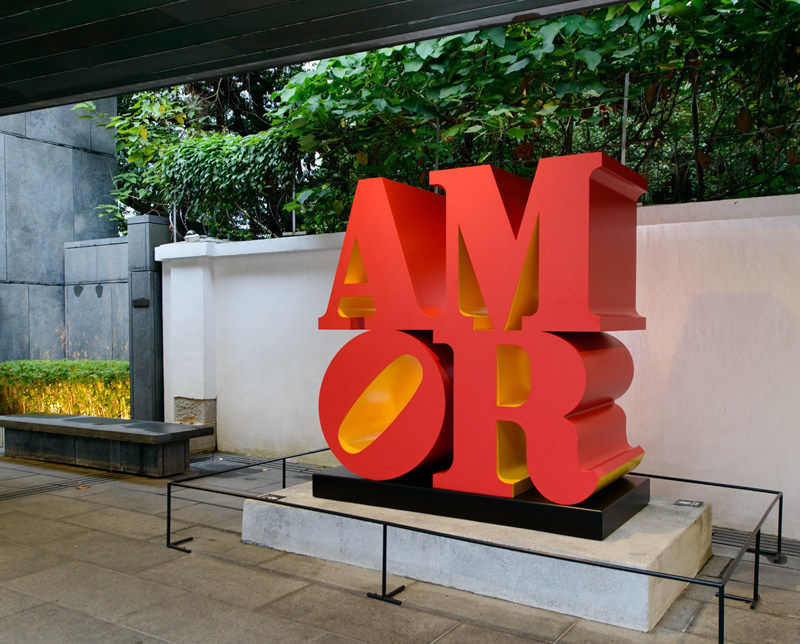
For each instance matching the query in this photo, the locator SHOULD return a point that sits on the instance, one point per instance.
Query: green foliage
(84, 387)
(242, 103)
(712, 112)
(707, 119)
(235, 185)
(148, 123)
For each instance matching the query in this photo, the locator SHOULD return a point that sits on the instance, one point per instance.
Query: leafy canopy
(711, 112)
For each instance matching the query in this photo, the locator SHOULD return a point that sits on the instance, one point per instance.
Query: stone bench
(118, 445)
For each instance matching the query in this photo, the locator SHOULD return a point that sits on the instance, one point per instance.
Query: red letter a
(391, 269)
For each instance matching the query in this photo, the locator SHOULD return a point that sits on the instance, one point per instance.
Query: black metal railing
(187, 480)
(752, 543)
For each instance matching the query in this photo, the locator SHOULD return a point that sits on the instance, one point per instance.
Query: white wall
(240, 325)
(716, 390)
(715, 395)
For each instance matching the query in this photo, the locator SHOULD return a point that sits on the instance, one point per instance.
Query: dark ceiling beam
(59, 52)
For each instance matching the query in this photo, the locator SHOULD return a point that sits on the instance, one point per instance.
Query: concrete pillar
(190, 356)
(146, 344)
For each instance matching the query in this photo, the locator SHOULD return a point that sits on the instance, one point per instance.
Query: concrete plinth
(661, 537)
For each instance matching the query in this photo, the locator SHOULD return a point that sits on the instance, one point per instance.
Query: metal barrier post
(384, 596)
(169, 514)
(779, 557)
(755, 569)
(175, 545)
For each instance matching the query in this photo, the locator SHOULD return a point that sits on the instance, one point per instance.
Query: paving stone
(731, 553)
(28, 529)
(80, 490)
(74, 471)
(10, 472)
(204, 540)
(355, 615)
(224, 581)
(774, 601)
(545, 625)
(61, 470)
(126, 523)
(328, 572)
(714, 567)
(248, 555)
(112, 551)
(19, 560)
(12, 602)
(270, 488)
(96, 591)
(91, 566)
(472, 634)
(224, 544)
(136, 500)
(196, 619)
(776, 576)
(586, 632)
(679, 616)
(777, 601)
(48, 506)
(213, 516)
(34, 480)
(203, 496)
(240, 483)
(746, 626)
(331, 638)
(701, 592)
(48, 623)
(792, 562)
(143, 484)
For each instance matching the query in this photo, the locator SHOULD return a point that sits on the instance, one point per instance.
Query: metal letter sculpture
(485, 355)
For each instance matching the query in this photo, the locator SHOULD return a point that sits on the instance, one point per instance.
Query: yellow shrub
(83, 387)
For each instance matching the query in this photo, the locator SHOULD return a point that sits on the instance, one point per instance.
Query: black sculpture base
(595, 518)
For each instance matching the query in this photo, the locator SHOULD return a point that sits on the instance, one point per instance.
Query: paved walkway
(82, 559)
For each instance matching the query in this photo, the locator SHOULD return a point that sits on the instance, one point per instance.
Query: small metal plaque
(688, 503)
(271, 497)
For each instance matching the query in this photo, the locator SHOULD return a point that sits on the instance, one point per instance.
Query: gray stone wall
(54, 169)
(96, 299)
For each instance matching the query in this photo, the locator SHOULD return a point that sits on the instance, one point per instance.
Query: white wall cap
(752, 208)
(217, 248)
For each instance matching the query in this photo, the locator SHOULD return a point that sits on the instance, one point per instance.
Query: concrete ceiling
(55, 52)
